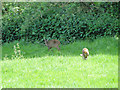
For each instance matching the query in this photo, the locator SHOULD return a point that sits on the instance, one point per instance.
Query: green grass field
(39, 68)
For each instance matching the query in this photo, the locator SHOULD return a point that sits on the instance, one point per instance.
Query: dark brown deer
(85, 53)
(52, 43)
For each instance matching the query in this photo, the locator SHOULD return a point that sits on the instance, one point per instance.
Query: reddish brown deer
(52, 43)
(85, 53)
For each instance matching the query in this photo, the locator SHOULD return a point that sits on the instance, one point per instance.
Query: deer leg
(58, 48)
(49, 48)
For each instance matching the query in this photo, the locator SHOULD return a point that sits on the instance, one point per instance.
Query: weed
(17, 52)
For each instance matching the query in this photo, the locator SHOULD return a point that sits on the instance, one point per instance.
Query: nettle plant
(17, 52)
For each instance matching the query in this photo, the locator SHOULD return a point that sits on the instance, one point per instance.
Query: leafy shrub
(62, 21)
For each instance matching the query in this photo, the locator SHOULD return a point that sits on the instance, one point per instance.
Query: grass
(61, 69)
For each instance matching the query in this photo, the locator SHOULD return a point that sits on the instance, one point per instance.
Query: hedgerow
(63, 21)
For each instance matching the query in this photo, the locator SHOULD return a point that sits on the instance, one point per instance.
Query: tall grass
(65, 68)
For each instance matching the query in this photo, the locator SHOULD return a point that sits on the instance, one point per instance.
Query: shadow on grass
(106, 45)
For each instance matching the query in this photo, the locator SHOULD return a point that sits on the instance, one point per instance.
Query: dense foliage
(63, 21)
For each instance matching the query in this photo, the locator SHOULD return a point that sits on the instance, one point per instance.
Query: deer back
(53, 43)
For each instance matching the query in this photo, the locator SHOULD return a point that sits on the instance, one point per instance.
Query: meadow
(35, 67)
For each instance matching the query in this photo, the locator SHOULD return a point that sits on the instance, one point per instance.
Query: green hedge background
(65, 21)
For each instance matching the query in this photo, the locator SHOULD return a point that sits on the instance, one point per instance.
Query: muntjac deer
(85, 53)
(52, 43)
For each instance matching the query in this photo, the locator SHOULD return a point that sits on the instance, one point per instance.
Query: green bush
(62, 21)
